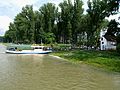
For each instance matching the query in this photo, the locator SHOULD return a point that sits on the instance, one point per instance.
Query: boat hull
(28, 52)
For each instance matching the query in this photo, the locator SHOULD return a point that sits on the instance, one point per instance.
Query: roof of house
(111, 38)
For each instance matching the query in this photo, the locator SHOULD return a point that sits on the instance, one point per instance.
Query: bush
(62, 47)
(118, 48)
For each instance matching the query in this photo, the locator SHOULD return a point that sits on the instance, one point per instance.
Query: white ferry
(35, 50)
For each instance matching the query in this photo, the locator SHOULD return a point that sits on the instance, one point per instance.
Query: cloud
(17, 3)
(10, 8)
(85, 6)
(56, 2)
(4, 23)
(116, 17)
(21, 3)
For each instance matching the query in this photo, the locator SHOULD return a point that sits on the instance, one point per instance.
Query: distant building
(107, 42)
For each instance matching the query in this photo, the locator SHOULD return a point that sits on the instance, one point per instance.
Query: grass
(103, 59)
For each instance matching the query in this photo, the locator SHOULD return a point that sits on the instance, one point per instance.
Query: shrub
(118, 48)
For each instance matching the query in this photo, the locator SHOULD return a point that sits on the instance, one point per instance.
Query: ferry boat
(35, 50)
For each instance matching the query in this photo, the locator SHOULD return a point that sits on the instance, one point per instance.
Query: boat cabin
(40, 48)
(33, 50)
(12, 48)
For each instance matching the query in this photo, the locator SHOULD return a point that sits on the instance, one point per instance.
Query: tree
(64, 20)
(69, 25)
(113, 33)
(38, 36)
(48, 12)
(77, 14)
(10, 35)
(49, 38)
(25, 25)
(49, 15)
(98, 10)
(69, 33)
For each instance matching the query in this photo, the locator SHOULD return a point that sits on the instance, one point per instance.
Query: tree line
(65, 24)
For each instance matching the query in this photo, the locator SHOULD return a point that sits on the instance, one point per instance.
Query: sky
(10, 8)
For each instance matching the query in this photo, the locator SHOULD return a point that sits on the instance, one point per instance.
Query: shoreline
(86, 64)
(100, 59)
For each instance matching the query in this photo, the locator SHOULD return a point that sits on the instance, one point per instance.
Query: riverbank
(108, 60)
(103, 59)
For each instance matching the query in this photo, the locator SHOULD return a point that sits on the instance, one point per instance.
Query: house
(107, 42)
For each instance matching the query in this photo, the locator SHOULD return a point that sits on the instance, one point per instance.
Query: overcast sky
(10, 8)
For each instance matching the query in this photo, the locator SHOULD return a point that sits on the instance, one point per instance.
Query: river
(44, 72)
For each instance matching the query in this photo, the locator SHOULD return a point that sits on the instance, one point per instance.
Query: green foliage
(112, 27)
(64, 21)
(49, 38)
(113, 32)
(98, 10)
(62, 47)
(49, 12)
(77, 14)
(118, 48)
(68, 25)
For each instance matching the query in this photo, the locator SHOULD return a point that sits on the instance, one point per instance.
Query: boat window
(11, 49)
(40, 47)
(36, 48)
(101, 38)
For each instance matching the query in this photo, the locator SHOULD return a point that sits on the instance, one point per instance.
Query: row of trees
(67, 25)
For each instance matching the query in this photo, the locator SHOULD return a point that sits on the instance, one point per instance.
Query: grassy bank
(102, 59)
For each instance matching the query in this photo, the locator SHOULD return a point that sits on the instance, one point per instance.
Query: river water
(44, 72)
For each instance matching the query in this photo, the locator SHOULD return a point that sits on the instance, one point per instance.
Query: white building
(106, 43)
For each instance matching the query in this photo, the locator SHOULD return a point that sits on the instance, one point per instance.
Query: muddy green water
(44, 72)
